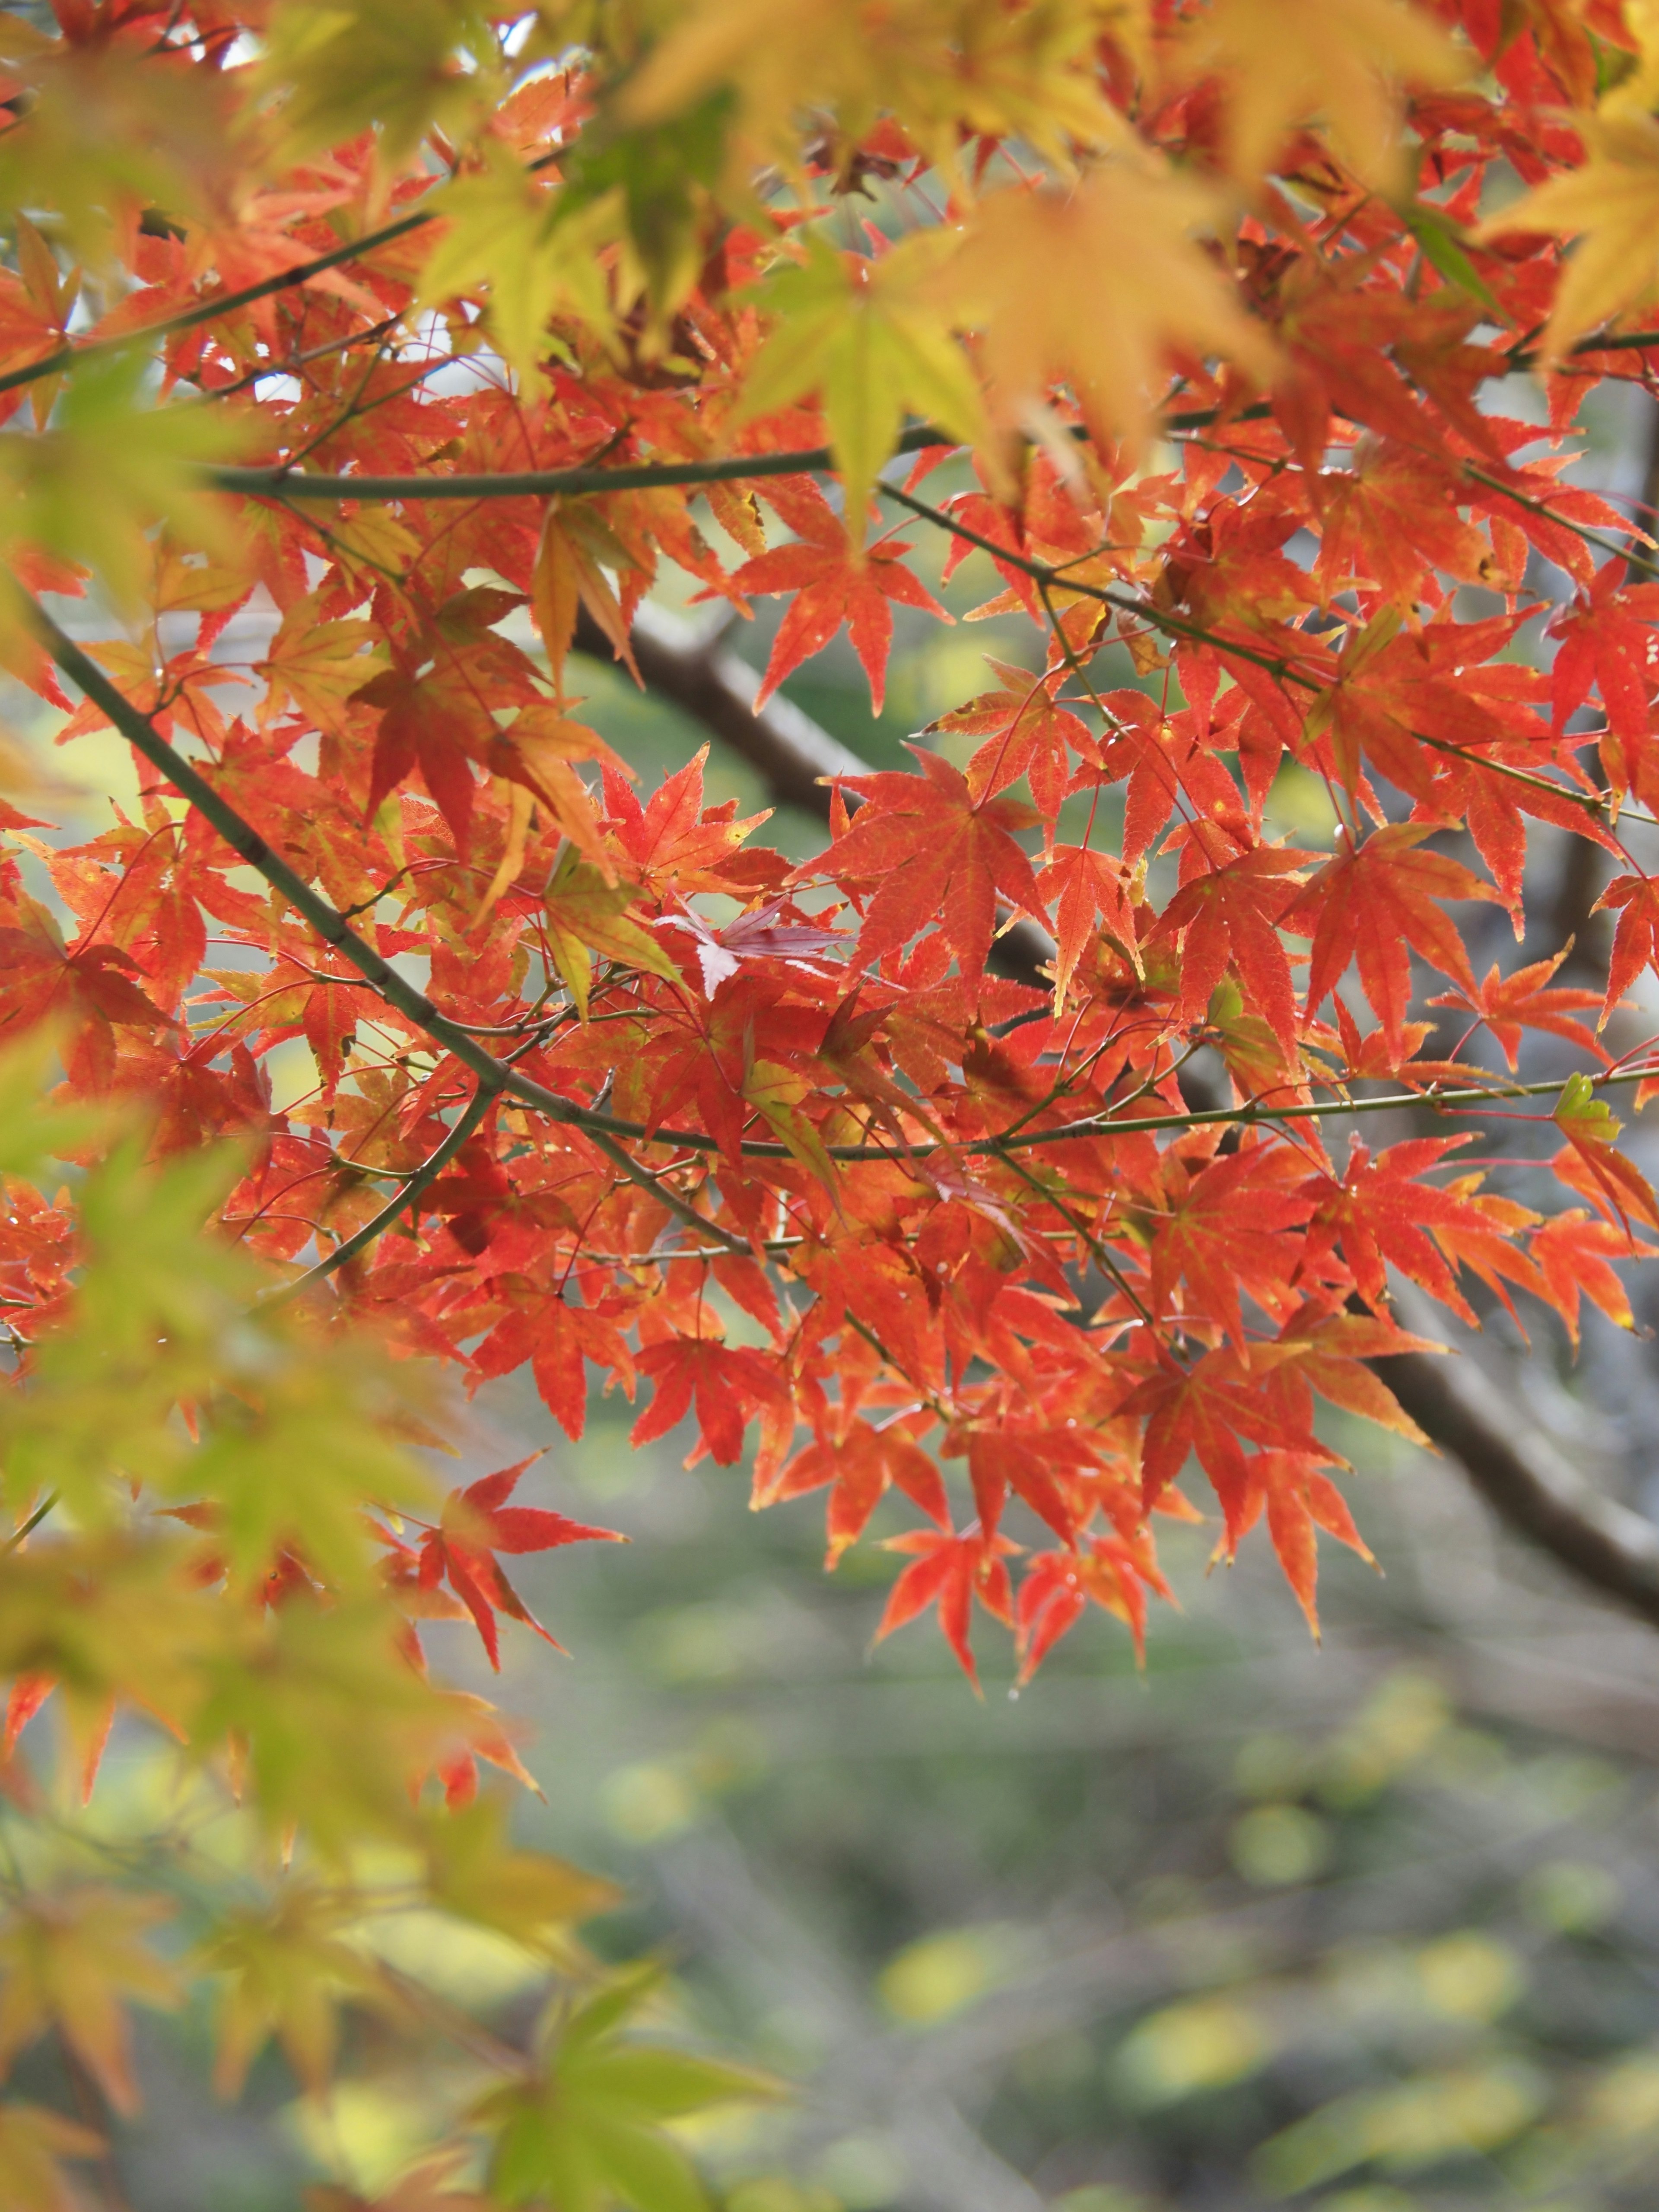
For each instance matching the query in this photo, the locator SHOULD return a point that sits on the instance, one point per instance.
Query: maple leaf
(1229, 1230)
(312, 668)
(1282, 61)
(1018, 76)
(1299, 1499)
(1081, 885)
(528, 247)
(1330, 1352)
(587, 915)
(730, 1386)
(1209, 1409)
(834, 583)
(1370, 903)
(477, 1523)
(1591, 1163)
(862, 1465)
(1571, 1252)
(576, 547)
(1635, 899)
(1151, 291)
(436, 721)
(1605, 637)
(32, 2140)
(950, 1571)
(1057, 1588)
(761, 935)
(66, 1961)
(674, 842)
(1611, 206)
(1506, 1004)
(1029, 735)
(1382, 1213)
(866, 336)
(934, 852)
(1040, 1468)
(1229, 914)
(286, 1970)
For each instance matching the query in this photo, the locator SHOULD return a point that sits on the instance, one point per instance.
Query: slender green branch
(397, 992)
(222, 303)
(605, 1131)
(413, 1185)
(19, 1536)
(1060, 579)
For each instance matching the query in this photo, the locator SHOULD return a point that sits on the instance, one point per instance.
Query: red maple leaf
(1229, 914)
(834, 583)
(934, 853)
(1605, 639)
(1040, 1467)
(1508, 1003)
(950, 1571)
(1299, 1499)
(1591, 1163)
(1113, 1572)
(1229, 1229)
(1027, 735)
(1369, 904)
(730, 1387)
(477, 1523)
(862, 1465)
(1635, 899)
(1382, 1213)
(1572, 1252)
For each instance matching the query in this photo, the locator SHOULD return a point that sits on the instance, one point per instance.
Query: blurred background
(1368, 1926)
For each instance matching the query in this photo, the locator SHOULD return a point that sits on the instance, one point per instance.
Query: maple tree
(984, 1157)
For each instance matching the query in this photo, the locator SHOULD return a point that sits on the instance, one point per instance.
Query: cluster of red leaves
(894, 1212)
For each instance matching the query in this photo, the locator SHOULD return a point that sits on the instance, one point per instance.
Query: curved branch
(411, 1188)
(495, 1076)
(1527, 1481)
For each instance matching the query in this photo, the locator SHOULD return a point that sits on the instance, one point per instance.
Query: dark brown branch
(1527, 1481)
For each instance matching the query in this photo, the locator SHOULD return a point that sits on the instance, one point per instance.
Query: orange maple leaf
(934, 853)
(1371, 902)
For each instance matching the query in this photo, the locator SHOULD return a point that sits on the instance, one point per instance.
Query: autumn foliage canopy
(407, 339)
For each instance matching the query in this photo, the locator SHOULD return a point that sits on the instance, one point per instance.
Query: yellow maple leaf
(67, 1961)
(938, 67)
(577, 547)
(1092, 288)
(869, 336)
(1285, 61)
(1638, 93)
(511, 238)
(312, 667)
(285, 1970)
(1611, 206)
(32, 2142)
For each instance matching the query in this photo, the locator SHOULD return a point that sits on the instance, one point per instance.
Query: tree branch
(223, 303)
(495, 1076)
(411, 1188)
(1527, 1481)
